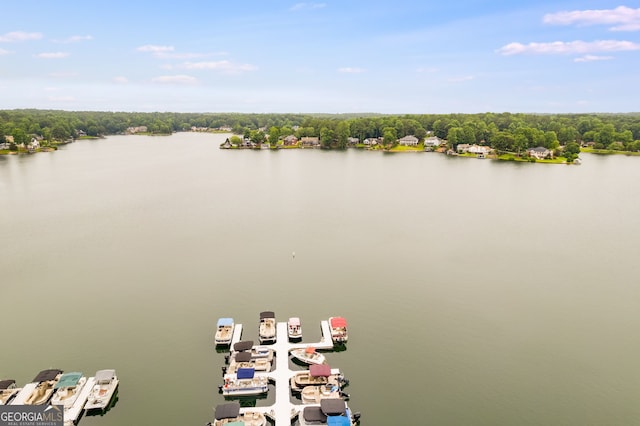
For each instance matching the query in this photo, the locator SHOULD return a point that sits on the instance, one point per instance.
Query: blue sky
(328, 56)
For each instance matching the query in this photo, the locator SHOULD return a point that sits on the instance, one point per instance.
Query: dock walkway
(282, 411)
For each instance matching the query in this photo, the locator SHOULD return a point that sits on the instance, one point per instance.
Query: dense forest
(504, 132)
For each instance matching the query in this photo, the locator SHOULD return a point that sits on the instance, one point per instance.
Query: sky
(346, 56)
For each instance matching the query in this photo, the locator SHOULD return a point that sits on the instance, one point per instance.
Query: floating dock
(283, 410)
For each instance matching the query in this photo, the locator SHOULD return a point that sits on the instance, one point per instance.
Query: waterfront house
(353, 141)
(432, 141)
(408, 140)
(290, 140)
(371, 141)
(462, 148)
(310, 141)
(226, 144)
(540, 153)
(479, 150)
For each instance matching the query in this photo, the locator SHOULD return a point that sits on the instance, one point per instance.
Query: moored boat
(42, 392)
(316, 375)
(245, 360)
(244, 382)
(232, 414)
(338, 327)
(313, 394)
(255, 351)
(106, 383)
(267, 328)
(334, 412)
(294, 329)
(308, 355)
(68, 388)
(8, 391)
(224, 331)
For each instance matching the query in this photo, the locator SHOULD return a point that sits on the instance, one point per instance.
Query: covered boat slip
(224, 331)
(8, 390)
(283, 409)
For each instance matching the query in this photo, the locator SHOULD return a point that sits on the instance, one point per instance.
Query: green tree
(326, 137)
(342, 134)
(274, 135)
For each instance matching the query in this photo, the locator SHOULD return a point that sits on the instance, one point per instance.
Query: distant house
(540, 153)
(479, 149)
(8, 138)
(462, 148)
(34, 144)
(290, 140)
(226, 144)
(371, 141)
(353, 141)
(409, 140)
(137, 129)
(432, 141)
(248, 143)
(310, 141)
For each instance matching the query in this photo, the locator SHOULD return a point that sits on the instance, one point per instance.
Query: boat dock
(283, 411)
(72, 414)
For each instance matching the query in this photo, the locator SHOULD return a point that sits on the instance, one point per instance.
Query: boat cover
(333, 407)
(313, 414)
(103, 376)
(267, 314)
(319, 370)
(68, 380)
(245, 373)
(243, 345)
(46, 375)
(338, 421)
(230, 410)
(4, 384)
(243, 357)
(294, 321)
(338, 322)
(225, 321)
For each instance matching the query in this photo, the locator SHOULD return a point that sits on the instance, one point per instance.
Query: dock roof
(230, 410)
(225, 321)
(46, 375)
(68, 380)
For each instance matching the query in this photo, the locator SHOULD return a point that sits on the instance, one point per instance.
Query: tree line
(504, 132)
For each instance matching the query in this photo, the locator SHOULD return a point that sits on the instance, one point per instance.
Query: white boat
(245, 360)
(72, 392)
(39, 391)
(244, 382)
(67, 389)
(294, 328)
(313, 394)
(232, 414)
(316, 375)
(255, 351)
(308, 355)
(105, 385)
(334, 412)
(224, 331)
(338, 327)
(8, 391)
(267, 329)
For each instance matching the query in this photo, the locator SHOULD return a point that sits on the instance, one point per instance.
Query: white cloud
(120, 80)
(155, 48)
(300, 6)
(4, 52)
(75, 39)
(168, 55)
(225, 66)
(621, 18)
(67, 74)
(461, 79)
(52, 55)
(569, 47)
(351, 70)
(591, 58)
(175, 79)
(19, 36)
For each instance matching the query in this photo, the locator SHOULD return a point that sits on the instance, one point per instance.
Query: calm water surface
(477, 292)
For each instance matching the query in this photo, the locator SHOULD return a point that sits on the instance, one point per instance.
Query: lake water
(477, 292)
